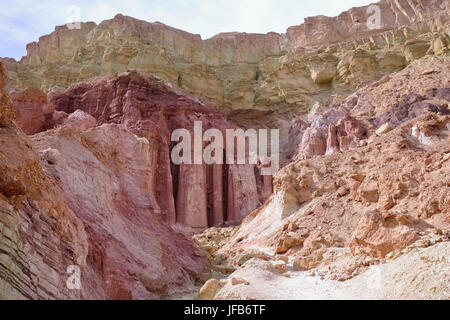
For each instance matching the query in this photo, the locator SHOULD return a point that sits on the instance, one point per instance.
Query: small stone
(224, 269)
(283, 258)
(429, 71)
(238, 281)
(385, 128)
(209, 289)
(386, 202)
(280, 266)
(343, 191)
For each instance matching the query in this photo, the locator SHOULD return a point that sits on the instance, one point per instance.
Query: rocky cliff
(39, 235)
(314, 62)
(335, 213)
(364, 120)
(83, 198)
(196, 196)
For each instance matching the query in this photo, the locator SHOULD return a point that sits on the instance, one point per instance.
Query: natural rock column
(242, 192)
(216, 196)
(163, 184)
(192, 196)
(332, 141)
(266, 188)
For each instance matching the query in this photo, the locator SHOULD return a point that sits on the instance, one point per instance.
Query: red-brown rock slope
(85, 200)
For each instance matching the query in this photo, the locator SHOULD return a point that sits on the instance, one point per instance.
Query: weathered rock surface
(377, 234)
(315, 61)
(194, 195)
(329, 133)
(39, 234)
(419, 274)
(80, 121)
(368, 181)
(106, 175)
(339, 213)
(7, 111)
(209, 289)
(86, 201)
(33, 111)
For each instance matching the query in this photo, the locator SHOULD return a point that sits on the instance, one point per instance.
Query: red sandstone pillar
(192, 196)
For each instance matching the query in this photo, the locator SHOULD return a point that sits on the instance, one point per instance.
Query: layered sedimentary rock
(106, 175)
(84, 201)
(310, 63)
(368, 181)
(329, 133)
(39, 235)
(33, 111)
(195, 195)
(340, 212)
(361, 22)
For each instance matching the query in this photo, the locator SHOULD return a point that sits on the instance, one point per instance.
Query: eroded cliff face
(33, 112)
(94, 186)
(106, 175)
(315, 62)
(336, 212)
(39, 235)
(84, 200)
(195, 196)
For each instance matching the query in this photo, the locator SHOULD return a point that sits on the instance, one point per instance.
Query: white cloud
(24, 21)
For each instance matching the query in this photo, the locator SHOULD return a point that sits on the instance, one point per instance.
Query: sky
(24, 21)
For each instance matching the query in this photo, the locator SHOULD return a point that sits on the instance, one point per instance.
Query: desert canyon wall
(78, 198)
(86, 176)
(369, 188)
(234, 71)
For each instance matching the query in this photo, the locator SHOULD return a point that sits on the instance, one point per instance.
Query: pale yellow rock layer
(315, 61)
